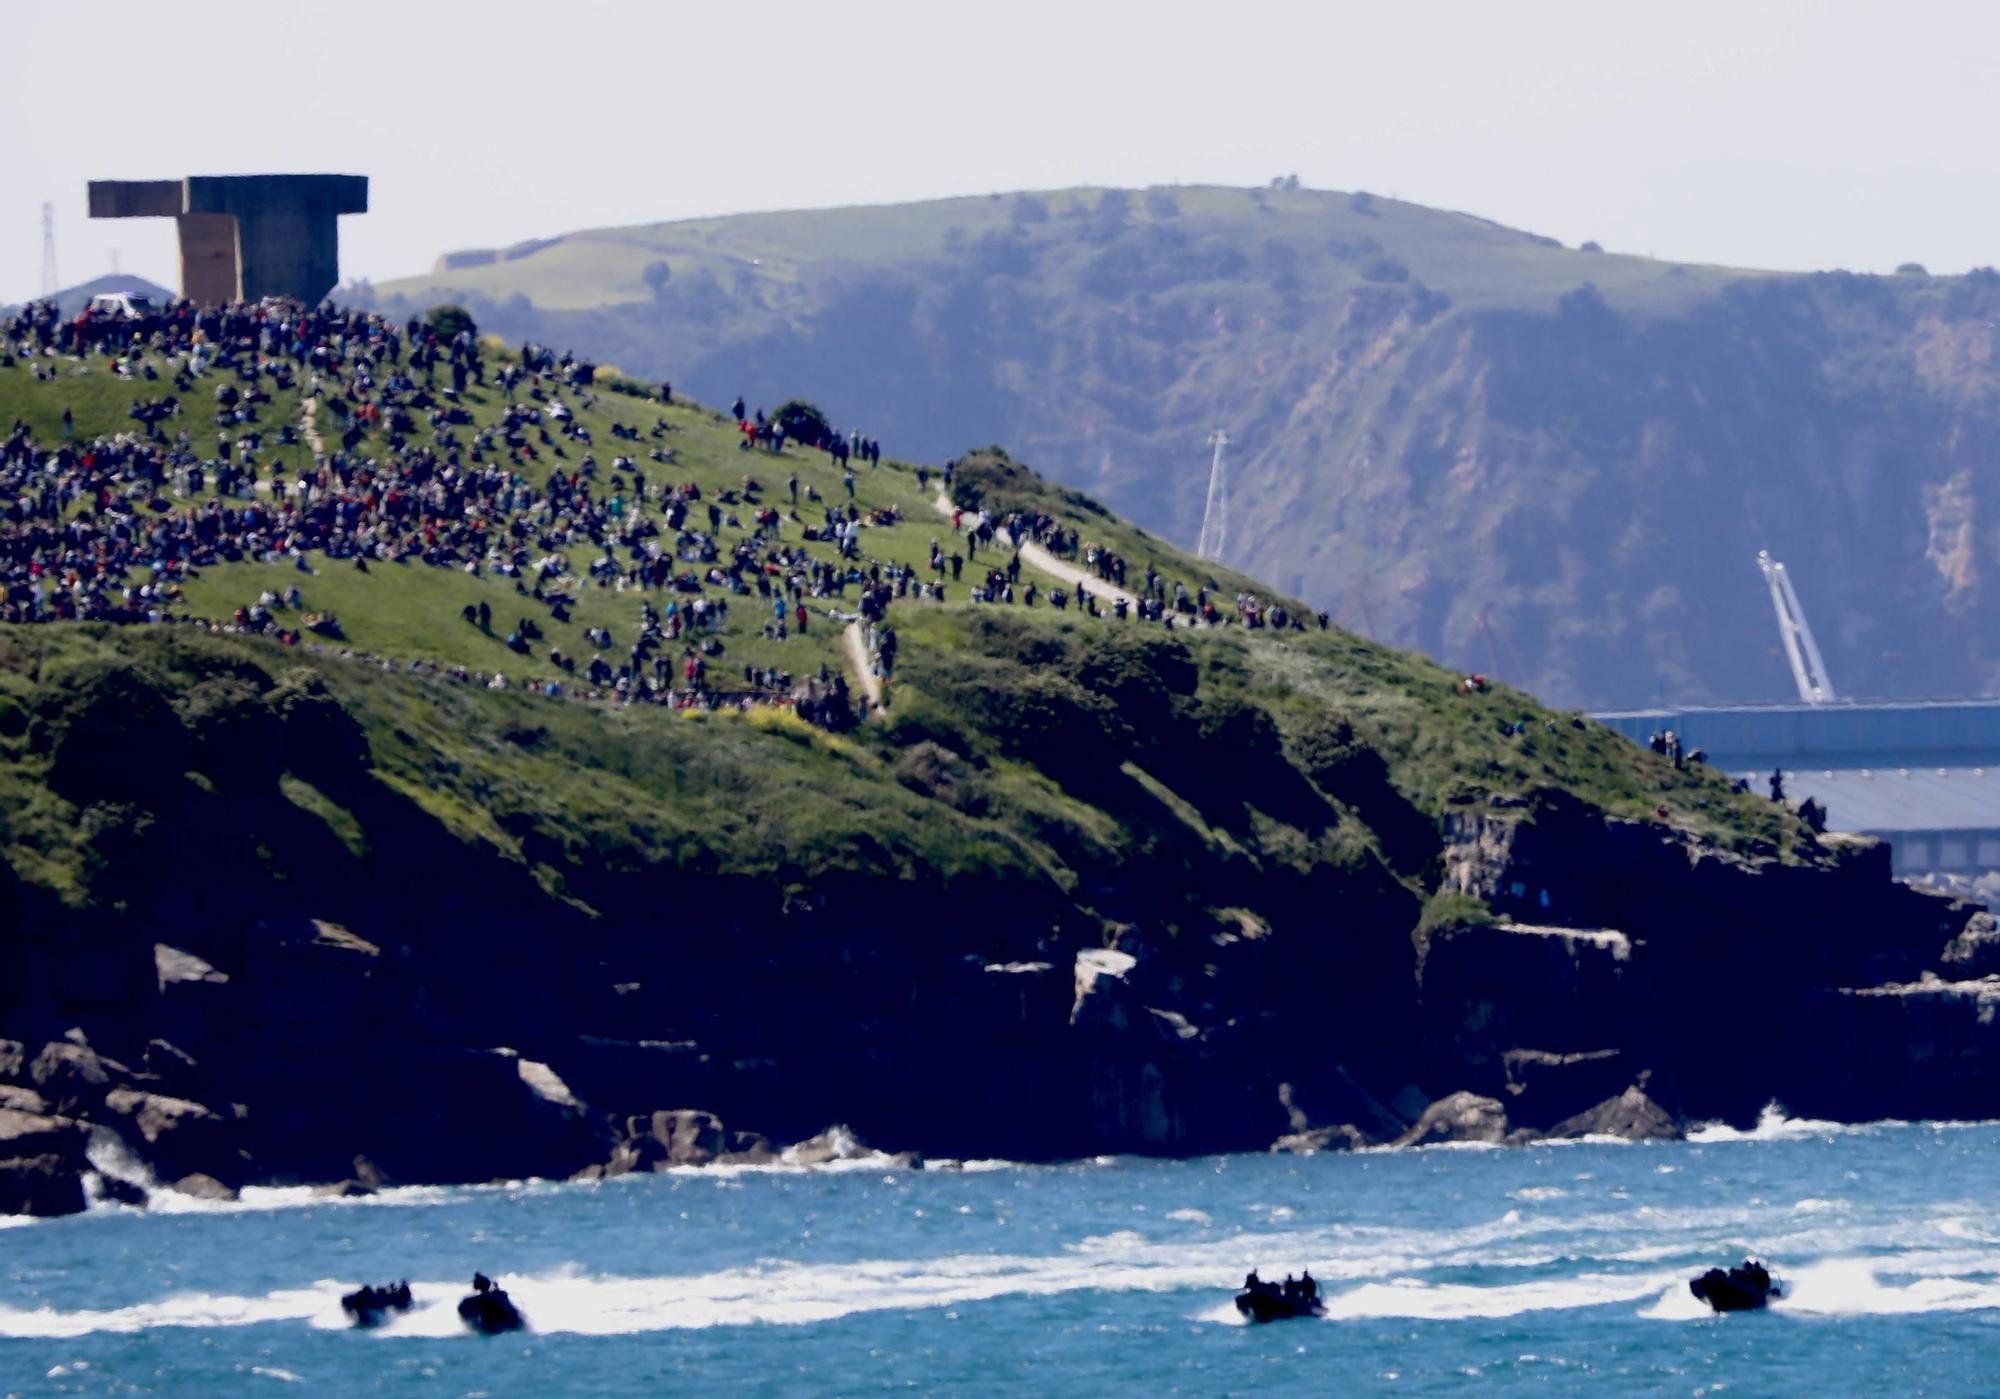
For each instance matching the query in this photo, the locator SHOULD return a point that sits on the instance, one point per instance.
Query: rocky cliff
(276, 917)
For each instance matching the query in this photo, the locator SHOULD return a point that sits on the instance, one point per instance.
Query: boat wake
(1507, 1267)
(1858, 1287)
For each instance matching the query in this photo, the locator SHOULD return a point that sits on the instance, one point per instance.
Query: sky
(1765, 133)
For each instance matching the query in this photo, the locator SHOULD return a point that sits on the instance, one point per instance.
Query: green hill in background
(1551, 463)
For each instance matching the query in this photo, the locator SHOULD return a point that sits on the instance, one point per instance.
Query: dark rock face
(681, 1137)
(1975, 952)
(1918, 1049)
(41, 1164)
(1317, 1139)
(684, 1137)
(1544, 1088)
(203, 1187)
(49, 1183)
(248, 1032)
(175, 1135)
(1678, 957)
(1631, 1115)
(71, 1077)
(1459, 1117)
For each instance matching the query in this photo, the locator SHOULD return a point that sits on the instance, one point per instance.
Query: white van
(125, 305)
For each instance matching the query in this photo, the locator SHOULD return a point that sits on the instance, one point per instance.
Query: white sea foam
(1676, 1303)
(183, 1309)
(569, 1300)
(1862, 1287)
(1774, 1126)
(258, 1198)
(1855, 1287)
(1587, 1139)
(1527, 1260)
(789, 1293)
(1410, 1297)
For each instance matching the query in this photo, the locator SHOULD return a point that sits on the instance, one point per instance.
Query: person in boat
(1253, 1283)
(1746, 1287)
(489, 1310)
(368, 1304)
(1308, 1289)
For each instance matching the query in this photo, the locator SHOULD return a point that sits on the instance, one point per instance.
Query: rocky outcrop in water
(42, 1163)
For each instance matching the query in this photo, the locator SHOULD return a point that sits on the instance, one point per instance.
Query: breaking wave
(1774, 1126)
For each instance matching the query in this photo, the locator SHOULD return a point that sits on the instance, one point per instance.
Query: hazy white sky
(1759, 132)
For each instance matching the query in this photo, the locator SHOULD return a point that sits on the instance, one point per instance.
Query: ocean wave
(863, 1162)
(1775, 1125)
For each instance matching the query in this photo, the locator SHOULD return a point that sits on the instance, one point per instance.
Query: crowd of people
(111, 528)
(386, 465)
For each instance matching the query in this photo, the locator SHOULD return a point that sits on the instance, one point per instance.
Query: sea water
(1543, 1268)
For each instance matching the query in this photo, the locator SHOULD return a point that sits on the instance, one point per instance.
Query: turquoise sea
(1558, 1268)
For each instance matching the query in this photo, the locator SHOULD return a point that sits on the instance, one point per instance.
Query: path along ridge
(1038, 557)
(856, 643)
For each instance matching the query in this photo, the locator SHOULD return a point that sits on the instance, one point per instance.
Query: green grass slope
(1020, 744)
(770, 255)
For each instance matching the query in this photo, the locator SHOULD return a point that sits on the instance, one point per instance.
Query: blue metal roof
(1894, 735)
(1883, 801)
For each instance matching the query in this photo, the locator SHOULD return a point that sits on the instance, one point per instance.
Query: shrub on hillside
(448, 320)
(238, 742)
(1029, 210)
(112, 735)
(803, 422)
(323, 743)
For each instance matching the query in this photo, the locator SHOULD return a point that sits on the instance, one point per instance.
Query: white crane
(1215, 514)
(1808, 667)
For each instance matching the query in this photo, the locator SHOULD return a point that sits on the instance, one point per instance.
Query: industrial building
(1923, 776)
